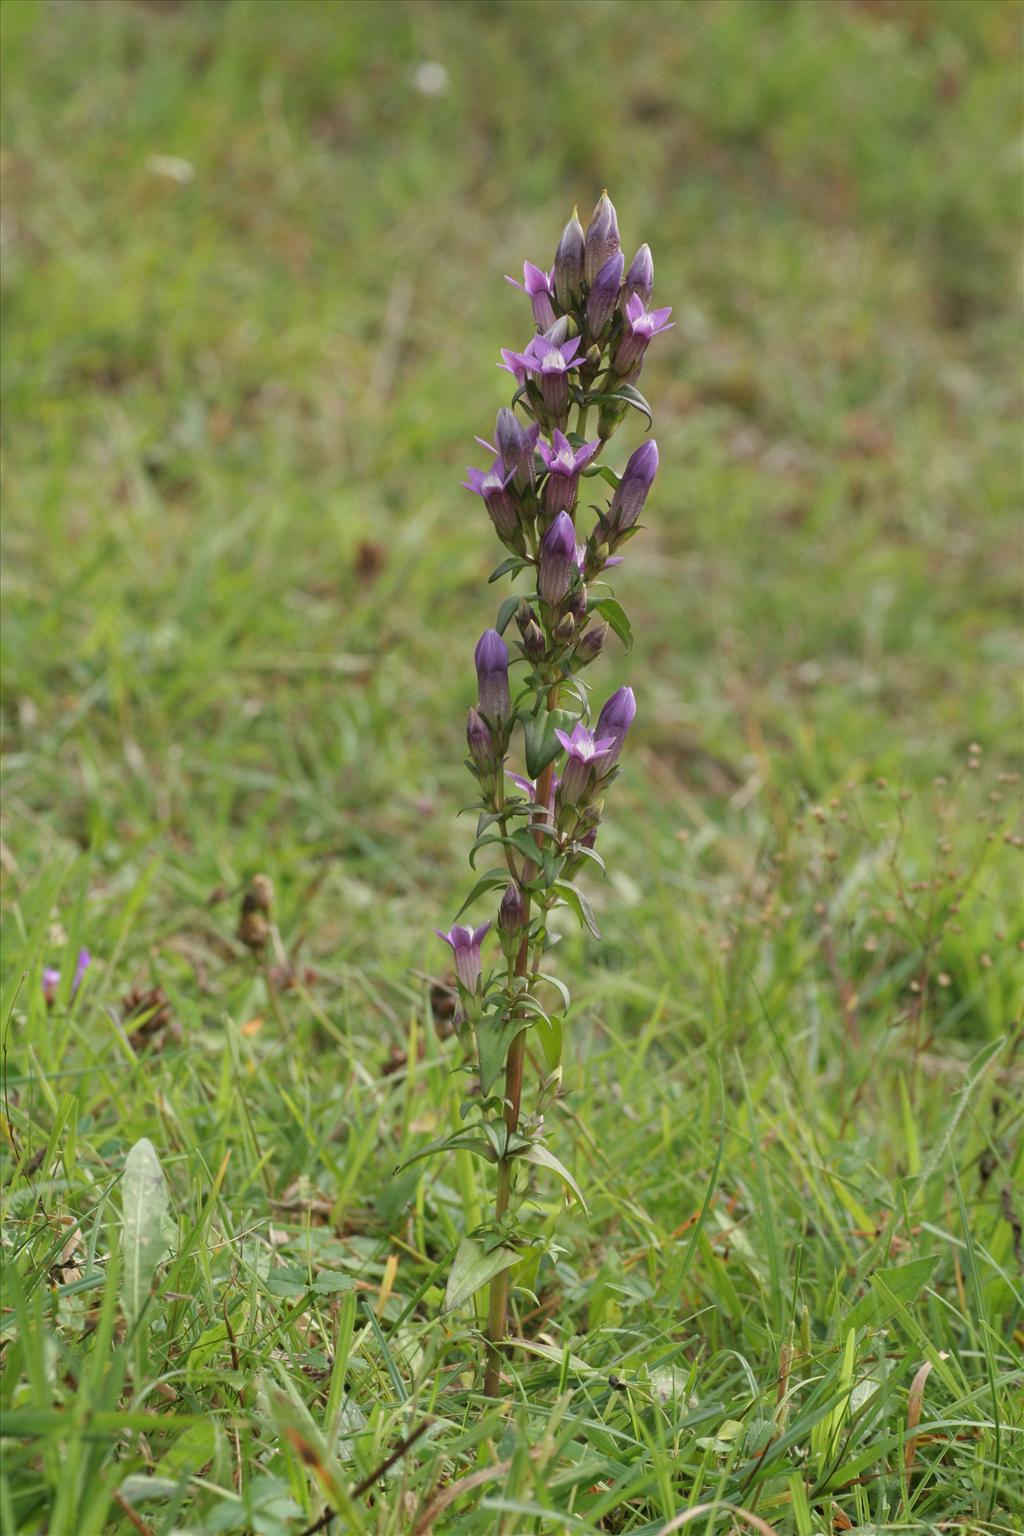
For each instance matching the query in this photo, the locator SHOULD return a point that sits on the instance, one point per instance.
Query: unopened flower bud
(515, 446)
(524, 616)
(491, 657)
(576, 602)
(591, 645)
(480, 741)
(557, 559)
(604, 295)
(512, 912)
(614, 721)
(534, 647)
(568, 268)
(602, 238)
(632, 491)
(559, 331)
(565, 629)
(609, 420)
(640, 277)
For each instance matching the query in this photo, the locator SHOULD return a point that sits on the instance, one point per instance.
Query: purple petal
(567, 741)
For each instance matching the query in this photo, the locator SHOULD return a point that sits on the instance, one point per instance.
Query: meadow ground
(253, 260)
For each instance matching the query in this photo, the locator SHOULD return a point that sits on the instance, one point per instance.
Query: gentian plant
(593, 327)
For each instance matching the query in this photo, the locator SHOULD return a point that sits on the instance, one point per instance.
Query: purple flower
(492, 485)
(465, 944)
(567, 271)
(604, 294)
(640, 327)
(479, 740)
(552, 362)
(491, 657)
(51, 976)
(615, 720)
(640, 277)
(584, 748)
(529, 788)
(541, 291)
(512, 363)
(516, 445)
(563, 464)
(557, 559)
(602, 238)
(632, 490)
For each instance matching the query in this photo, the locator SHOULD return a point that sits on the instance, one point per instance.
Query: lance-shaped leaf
(144, 1232)
(493, 1041)
(623, 395)
(580, 905)
(475, 1267)
(464, 1139)
(611, 609)
(538, 1153)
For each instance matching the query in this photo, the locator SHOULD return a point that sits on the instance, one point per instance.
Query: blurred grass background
(253, 299)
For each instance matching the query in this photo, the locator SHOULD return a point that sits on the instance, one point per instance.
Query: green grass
(242, 590)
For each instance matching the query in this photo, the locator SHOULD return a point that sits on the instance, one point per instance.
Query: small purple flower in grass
(491, 657)
(585, 749)
(604, 295)
(552, 362)
(539, 286)
(567, 271)
(615, 720)
(51, 976)
(632, 490)
(640, 276)
(602, 237)
(641, 325)
(465, 944)
(557, 559)
(563, 463)
(492, 484)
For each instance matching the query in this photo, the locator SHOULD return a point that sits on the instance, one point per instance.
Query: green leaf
(488, 882)
(612, 610)
(538, 1154)
(514, 563)
(474, 1267)
(505, 613)
(625, 394)
(493, 1041)
(145, 1231)
(579, 904)
(605, 471)
(559, 986)
(549, 1033)
(891, 1290)
(465, 1140)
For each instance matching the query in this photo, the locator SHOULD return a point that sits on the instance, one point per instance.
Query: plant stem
(497, 1302)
